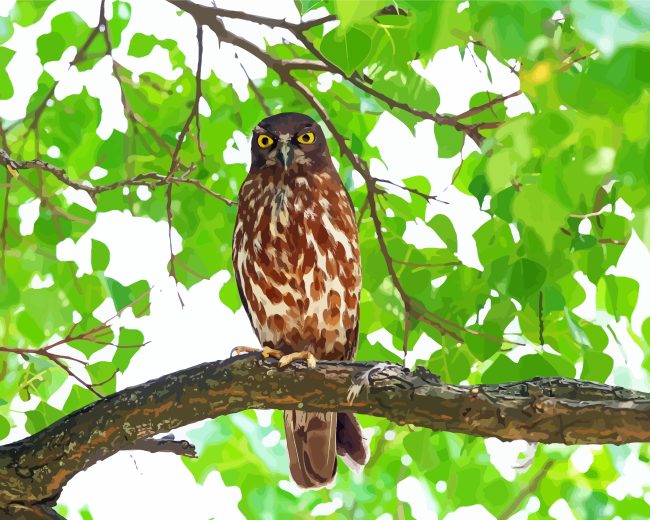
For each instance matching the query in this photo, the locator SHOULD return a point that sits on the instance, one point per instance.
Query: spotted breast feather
(296, 257)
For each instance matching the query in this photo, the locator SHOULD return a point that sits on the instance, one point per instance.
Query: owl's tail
(313, 440)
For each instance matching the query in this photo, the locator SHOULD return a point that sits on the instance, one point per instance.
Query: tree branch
(526, 491)
(485, 106)
(168, 444)
(552, 409)
(151, 179)
(211, 16)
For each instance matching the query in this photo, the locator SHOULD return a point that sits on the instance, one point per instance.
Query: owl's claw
(271, 352)
(265, 351)
(307, 356)
(274, 353)
(362, 380)
(243, 350)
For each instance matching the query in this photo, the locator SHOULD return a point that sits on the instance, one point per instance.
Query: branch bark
(34, 470)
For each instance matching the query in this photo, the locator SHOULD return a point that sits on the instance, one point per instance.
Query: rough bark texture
(34, 470)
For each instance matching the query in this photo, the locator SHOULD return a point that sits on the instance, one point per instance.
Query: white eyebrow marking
(285, 137)
(258, 128)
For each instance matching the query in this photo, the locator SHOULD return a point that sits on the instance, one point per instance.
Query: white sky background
(142, 485)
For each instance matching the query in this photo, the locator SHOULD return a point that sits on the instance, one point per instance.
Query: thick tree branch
(546, 410)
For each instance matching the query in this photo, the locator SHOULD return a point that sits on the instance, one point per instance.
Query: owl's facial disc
(288, 142)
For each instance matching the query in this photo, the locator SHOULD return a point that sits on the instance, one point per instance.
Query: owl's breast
(296, 254)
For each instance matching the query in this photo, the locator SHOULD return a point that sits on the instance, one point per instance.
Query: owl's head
(288, 141)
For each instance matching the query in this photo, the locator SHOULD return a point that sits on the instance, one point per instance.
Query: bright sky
(158, 485)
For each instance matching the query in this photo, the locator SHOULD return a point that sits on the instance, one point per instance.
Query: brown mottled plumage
(297, 266)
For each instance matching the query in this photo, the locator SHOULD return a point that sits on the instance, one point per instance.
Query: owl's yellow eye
(306, 138)
(264, 141)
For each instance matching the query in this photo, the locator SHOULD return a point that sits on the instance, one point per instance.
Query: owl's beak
(286, 154)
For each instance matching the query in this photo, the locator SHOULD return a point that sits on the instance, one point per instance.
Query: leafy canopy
(553, 186)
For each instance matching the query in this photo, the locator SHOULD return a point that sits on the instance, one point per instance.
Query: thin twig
(412, 190)
(256, 91)
(484, 106)
(194, 112)
(172, 256)
(526, 490)
(199, 39)
(540, 318)
(567, 66)
(415, 264)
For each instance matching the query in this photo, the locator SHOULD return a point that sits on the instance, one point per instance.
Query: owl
(297, 266)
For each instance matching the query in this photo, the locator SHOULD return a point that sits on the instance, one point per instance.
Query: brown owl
(298, 270)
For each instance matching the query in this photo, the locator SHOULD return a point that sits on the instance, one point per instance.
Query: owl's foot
(307, 356)
(363, 380)
(265, 351)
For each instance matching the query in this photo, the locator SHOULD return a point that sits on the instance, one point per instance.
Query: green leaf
(50, 46)
(483, 347)
(30, 328)
(449, 140)
(42, 416)
(229, 295)
(309, 5)
(100, 256)
(479, 188)
(584, 242)
(6, 87)
(91, 343)
(5, 427)
(129, 343)
(596, 366)
(28, 13)
(608, 29)
(444, 228)
(135, 295)
(526, 278)
(6, 29)
(348, 49)
(502, 370)
(85, 514)
(117, 24)
(618, 295)
(502, 169)
(142, 44)
(351, 12)
(539, 211)
(407, 87)
(78, 398)
(102, 374)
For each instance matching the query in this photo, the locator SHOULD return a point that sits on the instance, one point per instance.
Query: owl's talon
(243, 350)
(265, 352)
(271, 352)
(307, 356)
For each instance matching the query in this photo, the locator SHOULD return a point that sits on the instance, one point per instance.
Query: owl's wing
(353, 342)
(242, 297)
